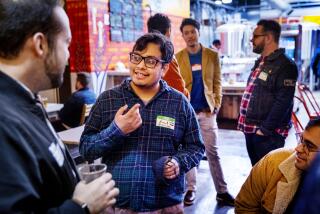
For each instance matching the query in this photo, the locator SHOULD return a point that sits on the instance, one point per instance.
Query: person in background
(161, 23)
(146, 132)
(216, 45)
(315, 65)
(273, 182)
(200, 68)
(308, 198)
(38, 173)
(70, 114)
(266, 105)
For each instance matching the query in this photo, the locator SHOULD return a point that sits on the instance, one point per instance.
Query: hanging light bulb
(218, 2)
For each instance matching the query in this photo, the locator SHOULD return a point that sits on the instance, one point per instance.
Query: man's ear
(164, 69)
(40, 44)
(168, 33)
(269, 38)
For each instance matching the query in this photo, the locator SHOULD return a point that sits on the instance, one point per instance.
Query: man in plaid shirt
(267, 102)
(146, 132)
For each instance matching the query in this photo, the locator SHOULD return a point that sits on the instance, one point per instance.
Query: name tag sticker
(196, 67)
(263, 76)
(165, 122)
(56, 153)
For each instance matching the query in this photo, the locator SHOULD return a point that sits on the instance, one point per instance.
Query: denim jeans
(258, 146)
(209, 132)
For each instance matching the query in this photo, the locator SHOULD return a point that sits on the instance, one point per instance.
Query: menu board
(126, 21)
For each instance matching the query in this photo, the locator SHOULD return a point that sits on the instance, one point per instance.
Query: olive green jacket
(211, 75)
(271, 185)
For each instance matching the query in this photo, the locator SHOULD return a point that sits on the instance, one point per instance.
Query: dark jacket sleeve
(20, 180)
(315, 64)
(284, 93)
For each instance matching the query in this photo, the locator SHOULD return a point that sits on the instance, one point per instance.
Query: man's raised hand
(129, 121)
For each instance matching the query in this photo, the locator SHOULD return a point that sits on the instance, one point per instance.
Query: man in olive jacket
(200, 69)
(274, 180)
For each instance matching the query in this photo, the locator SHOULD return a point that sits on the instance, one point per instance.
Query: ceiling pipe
(282, 6)
(209, 2)
(279, 4)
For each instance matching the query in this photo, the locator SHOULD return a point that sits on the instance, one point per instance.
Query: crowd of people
(151, 130)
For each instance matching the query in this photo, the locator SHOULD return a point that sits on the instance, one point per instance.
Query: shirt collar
(16, 84)
(33, 96)
(275, 54)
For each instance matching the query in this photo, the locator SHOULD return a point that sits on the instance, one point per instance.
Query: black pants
(258, 146)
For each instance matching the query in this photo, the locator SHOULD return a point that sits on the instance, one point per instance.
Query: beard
(54, 71)
(258, 49)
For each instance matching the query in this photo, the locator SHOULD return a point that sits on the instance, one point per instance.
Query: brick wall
(86, 53)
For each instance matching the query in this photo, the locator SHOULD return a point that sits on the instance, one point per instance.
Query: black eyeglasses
(149, 61)
(257, 35)
(307, 145)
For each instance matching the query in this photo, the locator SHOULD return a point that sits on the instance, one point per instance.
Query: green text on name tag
(166, 122)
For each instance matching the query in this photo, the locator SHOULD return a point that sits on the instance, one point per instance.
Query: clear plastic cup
(90, 172)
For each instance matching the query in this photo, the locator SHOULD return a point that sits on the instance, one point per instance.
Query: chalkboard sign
(126, 20)
(116, 34)
(116, 6)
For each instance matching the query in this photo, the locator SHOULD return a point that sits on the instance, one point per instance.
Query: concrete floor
(236, 167)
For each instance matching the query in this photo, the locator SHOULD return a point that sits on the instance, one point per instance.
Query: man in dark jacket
(70, 114)
(315, 65)
(267, 102)
(38, 174)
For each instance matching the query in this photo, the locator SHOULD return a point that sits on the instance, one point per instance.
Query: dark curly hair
(189, 21)
(166, 47)
(21, 19)
(272, 27)
(315, 122)
(159, 22)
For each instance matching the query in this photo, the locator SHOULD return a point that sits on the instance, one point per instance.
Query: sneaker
(189, 197)
(225, 199)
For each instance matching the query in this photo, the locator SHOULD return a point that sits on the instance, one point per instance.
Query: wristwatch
(83, 205)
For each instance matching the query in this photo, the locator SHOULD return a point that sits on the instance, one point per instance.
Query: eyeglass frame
(255, 36)
(306, 145)
(144, 59)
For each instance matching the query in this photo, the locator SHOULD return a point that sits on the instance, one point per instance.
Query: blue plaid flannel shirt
(129, 158)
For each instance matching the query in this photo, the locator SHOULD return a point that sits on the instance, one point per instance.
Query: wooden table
(52, 110)
(71, 138)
